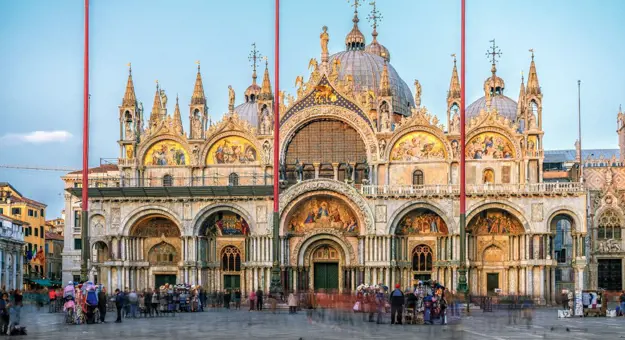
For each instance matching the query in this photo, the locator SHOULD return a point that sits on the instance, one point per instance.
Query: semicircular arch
(408, 207)
(153, 210)
(329, 112)
(145, 152)
(242, 139)
(296, 193)
(505, 206)
(425, 134)
(570, 213)
(207, 211)
(316, 236)
(504, 146)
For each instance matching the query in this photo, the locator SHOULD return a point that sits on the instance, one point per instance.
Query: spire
(156, 106)
(385, 84)
(198, 97)
(521, 101)
(129, 97)
(454, 84)
(265, 91)
(177, 117)
(355, 40)
(533, 87)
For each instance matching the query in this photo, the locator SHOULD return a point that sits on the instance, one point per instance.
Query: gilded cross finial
(493, 52)
(254, 56)
(157, 83)
(198, 65)
(453, 55)
(375, 16)
(266, 61)
(355, 4)
(532, 51)
(129, 68)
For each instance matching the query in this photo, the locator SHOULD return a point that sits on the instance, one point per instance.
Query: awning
(43, 282)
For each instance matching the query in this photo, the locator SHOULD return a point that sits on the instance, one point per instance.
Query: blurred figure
(102, 304)
(227, 296)
(397, 305)
(252, 300)
(622, 302)
(237, 299)
(292, 302)
(527, 312)
(259, 299)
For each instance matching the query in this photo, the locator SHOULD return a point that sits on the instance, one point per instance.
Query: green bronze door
(492, 283)
(160, 280)
(326, 276)
(232, 281)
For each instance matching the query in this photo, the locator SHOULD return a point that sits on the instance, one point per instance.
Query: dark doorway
(492, 283)
(232, 281)
(161, 279)
(326, 276)
(610, 274)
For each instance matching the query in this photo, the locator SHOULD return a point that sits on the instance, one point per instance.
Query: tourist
(259, 299)
(147, 299)
(102, 303)
(133, 301)
(292, 301)
(397, 305)
(252, 300)
(17, 304)
(4, 314)
(237, 299)
(155, 300)
(622, 302)
(273, 302)
(119, 304)
(227, 297)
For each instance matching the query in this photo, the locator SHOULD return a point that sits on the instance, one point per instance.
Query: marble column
(316, 165)
(353, 165)
(335, 168)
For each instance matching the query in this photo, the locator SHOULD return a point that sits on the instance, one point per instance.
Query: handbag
(357, 307)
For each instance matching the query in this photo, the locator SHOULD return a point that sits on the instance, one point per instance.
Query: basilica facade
(369, 187)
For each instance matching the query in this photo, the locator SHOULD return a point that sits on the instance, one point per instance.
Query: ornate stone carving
(115, 218)
(354, 196)
(537, 212)
(609, 246)
(380, 213)
(320, 234)
(261, 214)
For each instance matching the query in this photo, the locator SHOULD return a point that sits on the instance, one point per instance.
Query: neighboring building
(11, 253)
(33, 214)
(56, 225)
(370, 188)
(54, 252)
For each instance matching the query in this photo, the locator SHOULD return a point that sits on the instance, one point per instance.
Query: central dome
(366, 69)
(505, 106)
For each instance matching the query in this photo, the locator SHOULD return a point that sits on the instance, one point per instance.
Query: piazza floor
(264, 325)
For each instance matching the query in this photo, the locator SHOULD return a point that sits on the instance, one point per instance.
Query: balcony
(432, 191)
(239, 184)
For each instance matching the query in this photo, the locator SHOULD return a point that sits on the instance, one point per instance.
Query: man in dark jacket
(102, 304)
(397, 305)
(147, 300)
(259, 299)
(119, 304)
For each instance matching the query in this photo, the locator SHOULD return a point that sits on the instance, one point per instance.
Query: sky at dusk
(42, 50)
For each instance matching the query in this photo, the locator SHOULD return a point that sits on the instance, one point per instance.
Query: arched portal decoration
(225, 223)
(421, 221)
(201, 222)
(166, 153)
(100, 252)
(293, 125)
(495, 222)
(398, 218)
(418, 145)
(322, 212)
(304, 190)
(232, 150)
(163, 254)
(312, 240)
(490, 144)
(493, 254)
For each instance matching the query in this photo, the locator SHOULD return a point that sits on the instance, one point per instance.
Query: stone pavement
(233, 325)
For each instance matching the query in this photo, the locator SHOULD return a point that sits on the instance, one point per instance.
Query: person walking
(155, 300)
(292, 301)
(18, 299)
(237, 299)
(227, 297)
(133, 300)
(252, 300)
(622, 302)
(102, 304)
(4, 314)
(259, 299)
(397, 305)
(148, 302)
(119, 304)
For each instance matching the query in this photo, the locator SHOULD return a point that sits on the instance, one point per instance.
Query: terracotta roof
(6, 184)
(18, 199)
(54, 236)
(100, 169)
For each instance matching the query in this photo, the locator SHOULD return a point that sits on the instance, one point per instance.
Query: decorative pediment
(324, 93)
(167, 126)
(419, 117)
(231, 123)
(492, 118)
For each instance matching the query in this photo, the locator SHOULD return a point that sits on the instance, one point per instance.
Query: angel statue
(417, 93)
(230, 98)
(312, 65)
(163, 99)
(299, 83)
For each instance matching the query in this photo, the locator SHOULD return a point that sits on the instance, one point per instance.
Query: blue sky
(42, 44)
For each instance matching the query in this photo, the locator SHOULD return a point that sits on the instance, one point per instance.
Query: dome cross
(375, 16)
(493, 53)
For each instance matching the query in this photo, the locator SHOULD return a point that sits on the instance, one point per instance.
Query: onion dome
(355, 40)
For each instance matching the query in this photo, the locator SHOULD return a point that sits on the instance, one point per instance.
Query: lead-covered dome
(366, 69)
(506, 106)
(248, 111)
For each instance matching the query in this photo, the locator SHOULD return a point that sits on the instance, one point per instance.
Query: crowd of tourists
(11, 303)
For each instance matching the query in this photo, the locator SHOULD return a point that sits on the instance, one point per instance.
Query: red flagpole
(85, 151)
(276, 110)
(462, 271)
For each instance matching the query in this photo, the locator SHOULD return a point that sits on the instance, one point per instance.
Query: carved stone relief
(380, 213)
(537, 212)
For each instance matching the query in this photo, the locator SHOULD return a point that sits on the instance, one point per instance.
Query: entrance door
(232, 281)
(161, 279)
(326, 276)
(610, 274)
(492, 283)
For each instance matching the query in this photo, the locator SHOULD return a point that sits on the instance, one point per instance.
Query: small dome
(504, 105)
(378, 49)
(248, 111)
(355, 40)
(252, 92)
(366, 68)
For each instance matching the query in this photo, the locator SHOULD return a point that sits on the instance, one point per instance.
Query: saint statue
(366, 170)
(140, 108)
(417, 93)
(299, 170)
(163, 99)
(283, 171)
(349, 171)
(230, 97)
(325, 38)
(267, 153)
(129, 134)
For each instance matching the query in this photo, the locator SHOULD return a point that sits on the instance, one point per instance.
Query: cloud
(37, 137)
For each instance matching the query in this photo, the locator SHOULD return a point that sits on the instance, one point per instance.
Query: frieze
(609, 246)
(354, 196)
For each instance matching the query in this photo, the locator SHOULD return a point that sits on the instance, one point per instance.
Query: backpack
(92, 298)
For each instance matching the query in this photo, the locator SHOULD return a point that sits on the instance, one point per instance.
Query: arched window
(168, 181)
(233, 179)
(422, 258)
(417, 177)
(488, 176)
(162, 253)
(534, 108)
(231, 259)
(563, 240)
(609, 226)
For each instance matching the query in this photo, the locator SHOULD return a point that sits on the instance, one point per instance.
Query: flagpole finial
(532, 52)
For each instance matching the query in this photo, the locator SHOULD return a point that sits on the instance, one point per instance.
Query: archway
(325, 265)
(322, 211)
(609, 267)
(561, 248)
(422, 260)
(493, 234)
(100, 252)
(231, 258)
(154, 239)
